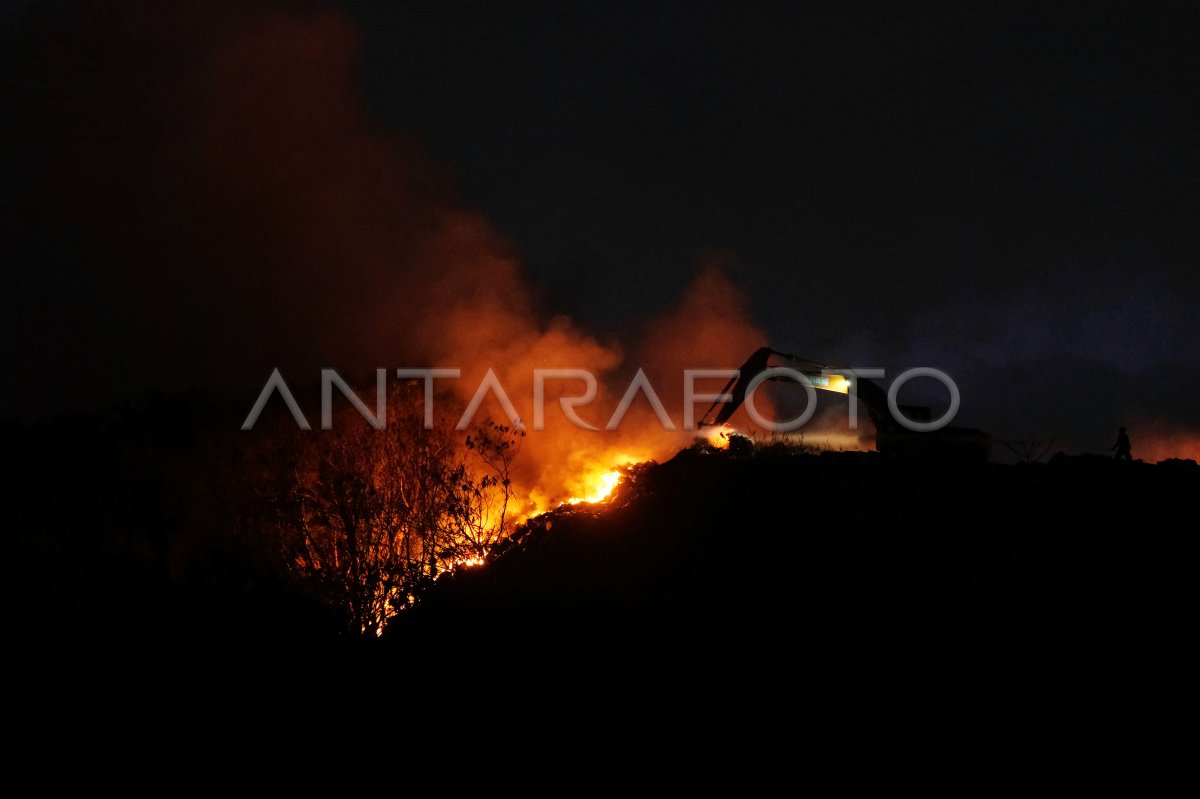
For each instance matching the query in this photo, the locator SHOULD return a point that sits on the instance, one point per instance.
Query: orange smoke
(1154, 441)
(710, 328)
(343, 245)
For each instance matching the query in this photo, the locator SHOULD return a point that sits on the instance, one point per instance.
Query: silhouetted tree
(483, 489)
(369, 517)
(1029, 450)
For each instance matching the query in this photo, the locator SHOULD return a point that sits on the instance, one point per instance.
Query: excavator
(961, 444)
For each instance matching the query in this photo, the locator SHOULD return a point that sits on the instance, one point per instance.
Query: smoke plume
(238, 209)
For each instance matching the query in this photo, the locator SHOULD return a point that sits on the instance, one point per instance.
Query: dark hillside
(847, 553)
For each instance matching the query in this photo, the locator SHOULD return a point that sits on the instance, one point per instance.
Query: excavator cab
(891, 437)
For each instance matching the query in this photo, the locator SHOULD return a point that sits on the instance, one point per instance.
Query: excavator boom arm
(819, 375)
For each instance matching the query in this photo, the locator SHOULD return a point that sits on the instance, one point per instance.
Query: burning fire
(718, 437)
(604, 485)
(599, 479)
(598, 488)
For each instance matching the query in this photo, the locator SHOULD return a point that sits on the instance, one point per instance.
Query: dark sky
(861, 163)
(1006, 192)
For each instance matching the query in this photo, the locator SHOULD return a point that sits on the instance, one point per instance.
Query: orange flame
(596, 481)
(604, 485)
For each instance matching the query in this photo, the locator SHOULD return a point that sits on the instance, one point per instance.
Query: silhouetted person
(1122, 447)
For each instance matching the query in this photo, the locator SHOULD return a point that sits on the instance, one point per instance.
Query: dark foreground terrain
(130, 535)
(776, 556)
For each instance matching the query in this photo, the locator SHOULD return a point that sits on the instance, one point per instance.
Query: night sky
(1007, 193)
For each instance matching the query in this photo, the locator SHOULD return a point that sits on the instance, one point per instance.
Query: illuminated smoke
(1154, 441)
(362, 258)
(265, 220)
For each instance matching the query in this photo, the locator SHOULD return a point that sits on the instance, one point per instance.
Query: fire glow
(718, 437)
(597, 480)
(604, 486)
